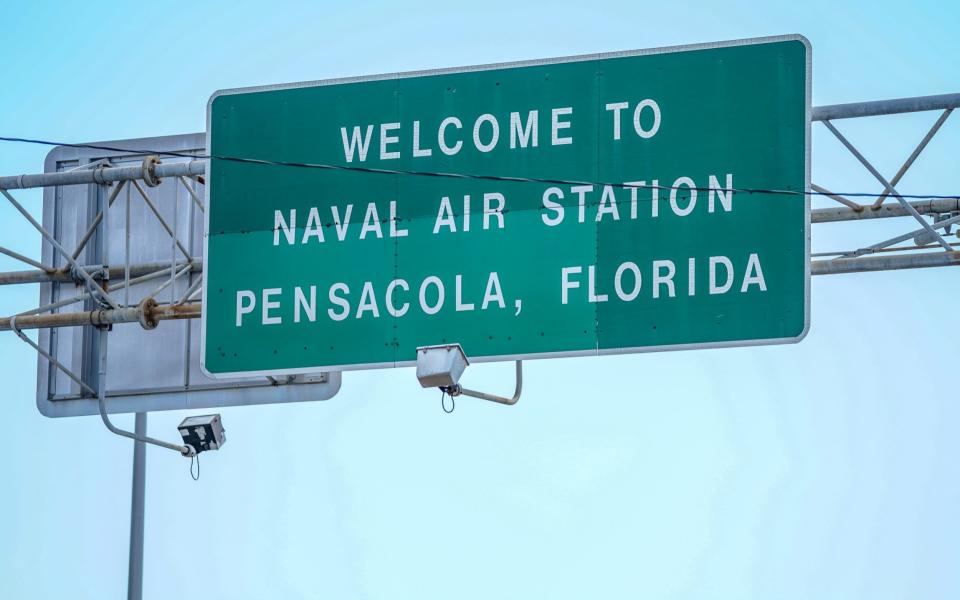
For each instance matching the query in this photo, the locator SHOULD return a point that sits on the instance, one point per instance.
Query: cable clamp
(98, 174)
(147, 319)
(148, 170)
(96, 272)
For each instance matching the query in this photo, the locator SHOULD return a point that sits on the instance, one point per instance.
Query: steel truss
(923, 244)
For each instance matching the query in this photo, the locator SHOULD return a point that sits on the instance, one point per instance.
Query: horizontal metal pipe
(147, 313)
(885, 107)
(63, 275)
(891, 209)
(101, 175)
(885, 263)
(150, 314)
(457, 390)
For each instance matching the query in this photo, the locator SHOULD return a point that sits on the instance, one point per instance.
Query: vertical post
(137, 497)
(138, 486)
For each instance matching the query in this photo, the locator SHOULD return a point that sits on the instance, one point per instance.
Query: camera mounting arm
(457, 389)
(441, 367)
(185, 450)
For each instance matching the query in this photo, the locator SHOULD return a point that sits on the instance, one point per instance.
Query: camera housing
(440, 366)
(202, 433)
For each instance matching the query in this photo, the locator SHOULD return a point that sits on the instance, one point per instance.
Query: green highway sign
(624, 202)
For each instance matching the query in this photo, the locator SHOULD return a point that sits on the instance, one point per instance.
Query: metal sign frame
(527, 63)
(81, 353)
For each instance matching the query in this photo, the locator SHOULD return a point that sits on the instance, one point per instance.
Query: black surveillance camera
(202, 433)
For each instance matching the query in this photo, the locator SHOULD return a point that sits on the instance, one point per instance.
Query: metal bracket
(145, 310)
(148, 170)
(102, 404)
(457, 390)
(442, 365)
(94, 272)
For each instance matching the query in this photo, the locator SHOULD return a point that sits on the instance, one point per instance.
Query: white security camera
(440, 366)
(203, 432)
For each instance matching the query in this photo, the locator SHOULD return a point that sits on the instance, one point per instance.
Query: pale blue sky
(820, 470)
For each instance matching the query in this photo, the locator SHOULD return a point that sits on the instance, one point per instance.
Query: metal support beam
(13, 325)
(457, 390)
(96, 221)
(137, 508)
(885, 107)
(92, 285)
(102, 402)
(25, 259)
(64, 276)
(156, 212)
(887, 186)
(913, 156)
(917, 235)
(102, 175)
(836, 197)
(885, 263)
(923, 207)
(148, 314)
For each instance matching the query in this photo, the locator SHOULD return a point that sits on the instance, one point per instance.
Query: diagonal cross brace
(96, 221)
(73, 263)
(901, 238)
(913, 156)
(889, 188)
(153, 208)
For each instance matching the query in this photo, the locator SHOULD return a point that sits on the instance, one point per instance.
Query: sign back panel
(611, 203)
(146, 370)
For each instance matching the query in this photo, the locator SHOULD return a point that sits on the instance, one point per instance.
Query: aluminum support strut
(64, 276)
(457, 390)
(888, 187)
(885, 107)
(885, 211)
(147, 313)
(137, 511)
(102, 403)
(865, 264)
(102, 175)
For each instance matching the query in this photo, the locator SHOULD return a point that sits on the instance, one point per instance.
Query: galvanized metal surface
(147, 315)
(888, 187)
(148, 370)
(102, 175)
(885, 263)
(457, 390)
(888, 210)
(885, 107)
(63, 275)
(137, 511)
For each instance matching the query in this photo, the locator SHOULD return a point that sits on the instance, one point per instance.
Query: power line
(475, 176)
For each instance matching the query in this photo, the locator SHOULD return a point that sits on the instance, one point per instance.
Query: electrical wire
(474, 176)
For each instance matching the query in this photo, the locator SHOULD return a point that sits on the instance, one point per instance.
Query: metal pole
(137, 501)
(885, 263)
(146, 313)
(103, 175)
(889, 210)
(102, 402)
(885, 107)
(64, 276)
(457, 390)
